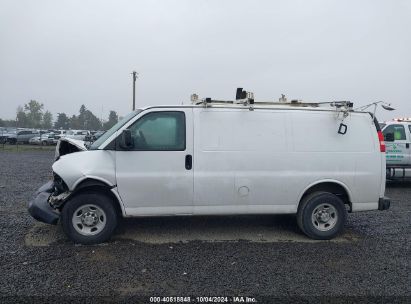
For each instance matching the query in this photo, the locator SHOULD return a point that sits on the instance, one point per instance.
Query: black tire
(311, 204)
(86, 198)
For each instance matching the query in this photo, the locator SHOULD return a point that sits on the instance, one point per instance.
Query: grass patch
(24, 148)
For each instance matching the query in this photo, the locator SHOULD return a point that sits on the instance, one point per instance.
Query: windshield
(113, 129)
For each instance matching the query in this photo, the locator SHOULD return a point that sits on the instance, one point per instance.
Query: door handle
(189, 162)
(407, 145)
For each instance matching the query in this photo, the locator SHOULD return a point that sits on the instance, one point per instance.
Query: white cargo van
(219, 158)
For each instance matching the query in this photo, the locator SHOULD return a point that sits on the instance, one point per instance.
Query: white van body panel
(234, 171)
(263, 161)
(353, 159)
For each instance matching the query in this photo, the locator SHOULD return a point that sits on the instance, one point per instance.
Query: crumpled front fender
(76, 167)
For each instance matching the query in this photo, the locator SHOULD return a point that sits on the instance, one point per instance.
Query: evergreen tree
(47, 120)
(112, 120)
(34, 114)
(82, 118)
(73, 122)
(62, 121)
(22, 120)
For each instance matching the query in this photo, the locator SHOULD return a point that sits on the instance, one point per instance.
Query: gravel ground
(255, 256)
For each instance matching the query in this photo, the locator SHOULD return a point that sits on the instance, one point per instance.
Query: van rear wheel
(89, 218)
(321, 215)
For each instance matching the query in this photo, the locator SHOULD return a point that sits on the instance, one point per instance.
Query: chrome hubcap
(89, 219)
(324, 217)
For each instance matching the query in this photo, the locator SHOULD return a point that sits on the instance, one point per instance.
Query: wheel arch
(97, 185)
(333, 186)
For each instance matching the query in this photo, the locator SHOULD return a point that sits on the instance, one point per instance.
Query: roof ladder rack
(247, 99)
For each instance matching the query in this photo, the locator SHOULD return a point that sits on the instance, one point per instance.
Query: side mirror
(389, 137)
(126, 141)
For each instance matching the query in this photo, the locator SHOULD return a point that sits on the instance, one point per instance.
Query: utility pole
(134, 89)
(101, 117)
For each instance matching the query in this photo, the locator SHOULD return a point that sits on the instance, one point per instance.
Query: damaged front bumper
(40, 208)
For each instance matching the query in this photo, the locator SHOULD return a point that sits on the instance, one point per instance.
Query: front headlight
(59, 185)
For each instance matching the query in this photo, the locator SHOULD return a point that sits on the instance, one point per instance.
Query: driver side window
(159, 131)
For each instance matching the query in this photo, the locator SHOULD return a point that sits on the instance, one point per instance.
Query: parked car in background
(5, 133)
(22, 136)
(11, 134)
(94, 136)
(44, 139)
(58, 134)
(77, 134)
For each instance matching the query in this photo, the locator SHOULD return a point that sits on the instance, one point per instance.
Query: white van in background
(77, 134)
(219, 158)
(397, 134)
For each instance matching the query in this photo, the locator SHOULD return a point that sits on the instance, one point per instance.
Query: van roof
(258, 105)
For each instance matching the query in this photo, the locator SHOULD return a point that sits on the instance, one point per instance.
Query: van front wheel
(321, 215)
(89, 218)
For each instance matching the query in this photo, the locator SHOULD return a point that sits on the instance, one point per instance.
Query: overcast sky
(68, 53)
